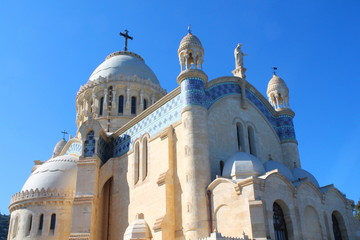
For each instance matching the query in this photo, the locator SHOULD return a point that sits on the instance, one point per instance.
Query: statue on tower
(239, 56)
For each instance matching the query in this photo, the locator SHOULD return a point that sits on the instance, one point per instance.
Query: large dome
(122, 65)
(57, 173)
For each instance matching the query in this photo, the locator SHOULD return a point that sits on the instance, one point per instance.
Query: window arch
(240, 137)
(280, 230)
(41, 224)
(52, 223)
(338, 226)
(89, 146)
(136, 163)
(133, 105)
(29, 225)
(101, 111)
(251, 139)
(121, 104)
(145, 103)
(145, 158)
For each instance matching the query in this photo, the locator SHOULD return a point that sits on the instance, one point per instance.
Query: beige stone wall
(222, 119)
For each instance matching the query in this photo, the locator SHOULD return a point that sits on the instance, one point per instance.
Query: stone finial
(139, 216)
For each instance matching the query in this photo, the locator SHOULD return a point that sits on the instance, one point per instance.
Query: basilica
(212, 159)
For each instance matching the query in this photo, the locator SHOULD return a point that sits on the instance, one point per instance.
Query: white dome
(283, 170)
(243, 165)
(138, 229)
(57, 173)
(121, 65)
(58, 147)
(300, 173)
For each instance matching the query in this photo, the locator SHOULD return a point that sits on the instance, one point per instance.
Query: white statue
(239, 56)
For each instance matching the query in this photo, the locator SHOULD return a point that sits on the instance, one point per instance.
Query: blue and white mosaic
(166, 115)
(104, 149)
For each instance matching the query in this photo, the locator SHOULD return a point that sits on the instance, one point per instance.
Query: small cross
(126, 36)
(274, 68)
(64, 132)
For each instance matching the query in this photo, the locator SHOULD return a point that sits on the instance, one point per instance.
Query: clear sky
(49, 48)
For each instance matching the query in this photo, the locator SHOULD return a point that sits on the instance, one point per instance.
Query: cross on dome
(126, 37)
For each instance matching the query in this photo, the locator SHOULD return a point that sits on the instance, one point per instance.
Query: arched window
(221, 163)
(145, 157)
(133, 105)
(89, 148)
(145, 103)
(251, 137)
(240, 137)
(279, 223)
(29, 225)
(137, 163)
(41, 223)
(52, 223)
(101, 106)
(336, 228)
(121, 104)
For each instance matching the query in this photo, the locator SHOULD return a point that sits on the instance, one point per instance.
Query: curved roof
(300, 174)
(57, 173)
(283, 170)
(278, 83)
(58, 147)
(190, 41)
(124, 64)
(243, 165)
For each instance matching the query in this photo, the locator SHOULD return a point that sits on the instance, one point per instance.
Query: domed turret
(283, 170)
(301, 174)
(190, 52)
(243, 165)
(58, 147)
(278, 93)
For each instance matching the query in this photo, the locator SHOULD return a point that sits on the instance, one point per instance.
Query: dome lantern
(278, 93)
(190, 52)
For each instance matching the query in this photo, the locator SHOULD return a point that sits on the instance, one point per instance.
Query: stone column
(196, 159)
(105, 103)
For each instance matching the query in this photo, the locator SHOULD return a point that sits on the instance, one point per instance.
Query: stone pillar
(196, 159)
(141, 101)
(105, 103)
(128, 102)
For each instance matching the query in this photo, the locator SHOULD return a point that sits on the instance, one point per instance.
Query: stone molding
(83, 199)
(27, 197)
(192, 73)
(79, 236)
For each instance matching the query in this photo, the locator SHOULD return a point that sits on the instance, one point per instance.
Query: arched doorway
(338, 226)
(280, 229)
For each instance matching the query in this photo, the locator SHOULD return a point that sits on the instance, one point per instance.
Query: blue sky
(49, 48)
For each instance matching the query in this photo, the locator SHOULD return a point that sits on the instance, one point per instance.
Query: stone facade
(209, 160)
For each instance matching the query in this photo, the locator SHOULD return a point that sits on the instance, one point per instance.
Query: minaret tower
(196, 153)
(278, 96)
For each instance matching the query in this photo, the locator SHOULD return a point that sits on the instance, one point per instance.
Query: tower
(195, 134)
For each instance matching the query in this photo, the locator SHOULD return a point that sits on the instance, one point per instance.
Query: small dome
(138, 229)
(300, 173)
(277, 83)
(189, 41)
(58, 147)
(283, 170)
(59, 172)
(243, 165)
(121, 66)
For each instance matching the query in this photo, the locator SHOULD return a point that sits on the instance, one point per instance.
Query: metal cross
(64, 132)
(274, 68)
(126, 36)
(189, 28)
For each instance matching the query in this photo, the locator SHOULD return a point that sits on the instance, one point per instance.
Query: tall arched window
(101, 106)
(251, 137)
(145, 103)
(221, 164)
(29, 225)
(133, 105)
(240, 137)
(145, 157)
(137, 163)
(52, 223)
(41, 223)
(89, 148)
(121, 104)
(279, 223)
(336, 228)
